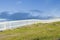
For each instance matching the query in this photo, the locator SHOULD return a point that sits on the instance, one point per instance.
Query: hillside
(40, 31)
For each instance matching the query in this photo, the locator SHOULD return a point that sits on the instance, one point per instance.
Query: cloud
(48, 1)
(2, 19)
(55, 12)
(19, 16)
(32, 14)
(4, 14)
(14, 16)
(18, 2)
(36, 12)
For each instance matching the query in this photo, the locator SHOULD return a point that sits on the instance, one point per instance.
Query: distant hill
(23, 16)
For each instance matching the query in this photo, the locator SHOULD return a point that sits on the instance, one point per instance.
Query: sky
(29, 9)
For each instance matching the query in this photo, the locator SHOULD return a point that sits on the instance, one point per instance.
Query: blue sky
(29, 8)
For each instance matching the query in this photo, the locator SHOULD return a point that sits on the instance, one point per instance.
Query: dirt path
(10, 35)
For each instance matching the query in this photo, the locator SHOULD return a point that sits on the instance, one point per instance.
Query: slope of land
(40, 31)
(19, 23)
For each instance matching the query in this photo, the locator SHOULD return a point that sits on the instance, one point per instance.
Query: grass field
(40, 31)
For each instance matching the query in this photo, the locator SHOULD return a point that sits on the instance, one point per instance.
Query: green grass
(38, 31)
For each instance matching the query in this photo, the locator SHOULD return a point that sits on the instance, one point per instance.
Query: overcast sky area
(29, 9)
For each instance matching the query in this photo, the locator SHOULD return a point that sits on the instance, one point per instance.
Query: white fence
(20, 23)
(15, 24)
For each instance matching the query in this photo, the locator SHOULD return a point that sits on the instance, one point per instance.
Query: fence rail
(15, 24)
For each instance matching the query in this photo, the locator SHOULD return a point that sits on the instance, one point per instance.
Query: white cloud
(18, 2)
(2, 19)
(34, 14)
(47, 2)
(55, 12)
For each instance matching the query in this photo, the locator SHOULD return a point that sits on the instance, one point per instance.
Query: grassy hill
(40, 31)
